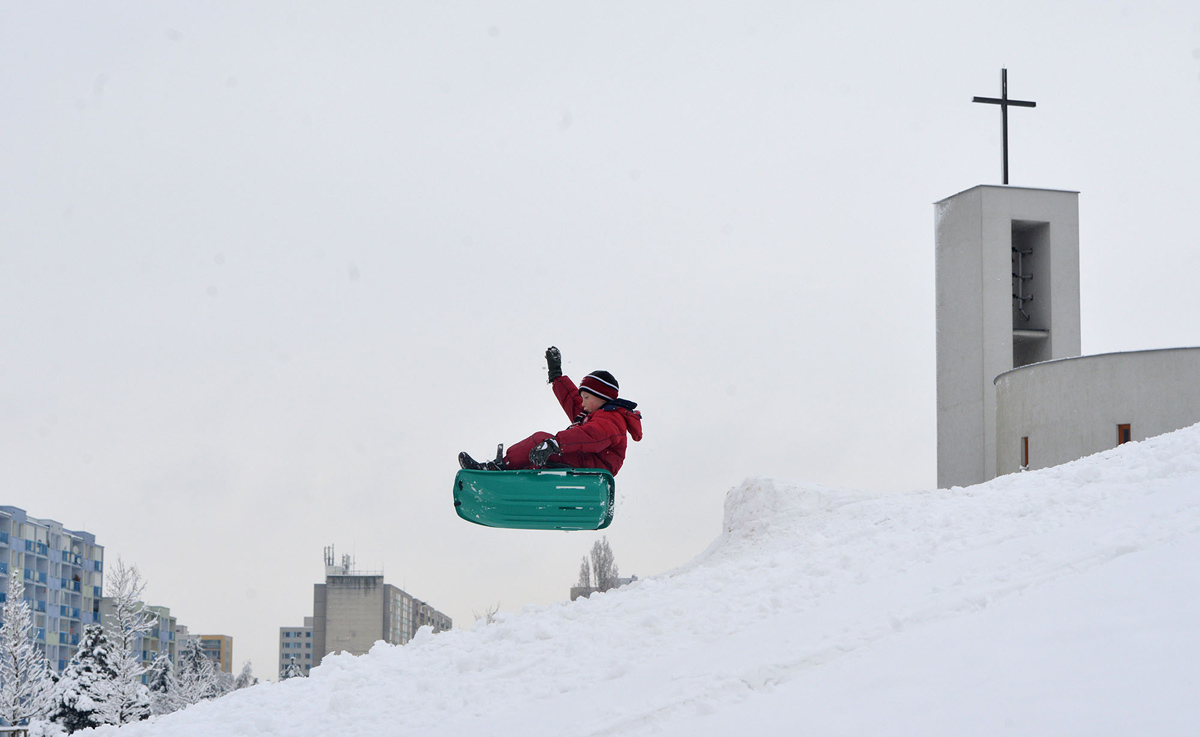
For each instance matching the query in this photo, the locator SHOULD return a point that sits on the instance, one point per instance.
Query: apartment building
(353, 610)
(160, 638)
(296, 646)
(63, 572)
(218, 649)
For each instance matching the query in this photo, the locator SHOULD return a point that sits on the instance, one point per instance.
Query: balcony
(4, 538)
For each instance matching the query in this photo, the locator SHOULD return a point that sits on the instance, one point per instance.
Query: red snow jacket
(597, 440)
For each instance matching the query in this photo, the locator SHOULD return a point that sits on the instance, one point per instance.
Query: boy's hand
(553, 363)
(540, 454)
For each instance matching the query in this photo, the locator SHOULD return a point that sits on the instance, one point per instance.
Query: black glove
(553, 363)
(542, 452)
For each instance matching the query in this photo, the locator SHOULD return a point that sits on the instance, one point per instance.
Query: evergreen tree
(126, 627)
(292, 670)
(162, 685)
(25, 680)
(196, 677)
(82, 695)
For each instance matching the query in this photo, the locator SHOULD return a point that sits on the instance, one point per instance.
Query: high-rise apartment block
(218, 649)
(296, 647)
(63, 572)
(353, 610)
(160, 638)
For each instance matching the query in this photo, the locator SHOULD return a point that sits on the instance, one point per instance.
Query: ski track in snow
(800, 576)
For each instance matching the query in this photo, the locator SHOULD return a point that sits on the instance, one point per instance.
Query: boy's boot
(469, 463)
(498, 464)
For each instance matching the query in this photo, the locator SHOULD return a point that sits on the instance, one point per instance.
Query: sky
(1062, 601)
(266, 269)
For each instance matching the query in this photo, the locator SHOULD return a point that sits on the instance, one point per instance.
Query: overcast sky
(266, 268)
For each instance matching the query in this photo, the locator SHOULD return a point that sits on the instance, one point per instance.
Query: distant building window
(1124, 434)
(1025, 452)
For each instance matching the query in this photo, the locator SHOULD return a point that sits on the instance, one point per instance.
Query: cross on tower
(1004, 102)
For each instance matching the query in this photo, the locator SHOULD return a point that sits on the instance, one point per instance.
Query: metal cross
(1004, 102)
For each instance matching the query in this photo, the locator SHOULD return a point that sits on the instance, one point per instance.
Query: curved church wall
(1073, 407)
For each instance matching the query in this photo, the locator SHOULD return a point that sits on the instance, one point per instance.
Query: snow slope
(1055, 602)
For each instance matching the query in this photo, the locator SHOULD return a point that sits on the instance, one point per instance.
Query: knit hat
(600, 383)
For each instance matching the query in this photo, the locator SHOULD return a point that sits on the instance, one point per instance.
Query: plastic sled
(539, 499)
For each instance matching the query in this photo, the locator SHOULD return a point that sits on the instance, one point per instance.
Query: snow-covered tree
(246, 678)
(293, 670)
(585, 574)
(162, 685)
(126, 627)
(83, 693)
(224, 683)
(604, 567)
(24, 673)
(488, 616)
(195, 675)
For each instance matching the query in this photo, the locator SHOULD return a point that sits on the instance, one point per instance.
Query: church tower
(1007, 262)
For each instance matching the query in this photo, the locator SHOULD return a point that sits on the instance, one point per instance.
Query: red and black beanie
(600, 383)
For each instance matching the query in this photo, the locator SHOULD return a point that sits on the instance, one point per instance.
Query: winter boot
(470, 464)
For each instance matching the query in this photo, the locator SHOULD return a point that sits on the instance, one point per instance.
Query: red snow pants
(517, 457)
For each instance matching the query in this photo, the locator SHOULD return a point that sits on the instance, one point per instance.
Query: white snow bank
(1061, 601)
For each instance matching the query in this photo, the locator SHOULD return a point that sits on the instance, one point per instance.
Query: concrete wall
(348, 614)
(1071, 408)
(976, 319)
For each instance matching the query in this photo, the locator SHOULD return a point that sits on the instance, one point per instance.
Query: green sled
(541, 499)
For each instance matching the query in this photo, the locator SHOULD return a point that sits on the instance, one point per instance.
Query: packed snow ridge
(1061, 601)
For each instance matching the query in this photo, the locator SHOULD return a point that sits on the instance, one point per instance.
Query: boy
(596, 437)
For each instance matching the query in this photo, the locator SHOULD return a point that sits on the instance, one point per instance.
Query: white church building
(1013, 391)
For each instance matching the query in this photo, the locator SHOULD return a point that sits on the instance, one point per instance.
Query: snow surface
(1064, 601)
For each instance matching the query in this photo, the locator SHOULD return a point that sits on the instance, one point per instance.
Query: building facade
(218, 649)
(160, 638)
(354, 610)
(296, 646)
(63, 571)
(1054, 412)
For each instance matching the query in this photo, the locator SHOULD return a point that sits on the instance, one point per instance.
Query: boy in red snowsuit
(597, 435)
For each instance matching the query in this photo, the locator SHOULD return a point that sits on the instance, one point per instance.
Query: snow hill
(1056, 602)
